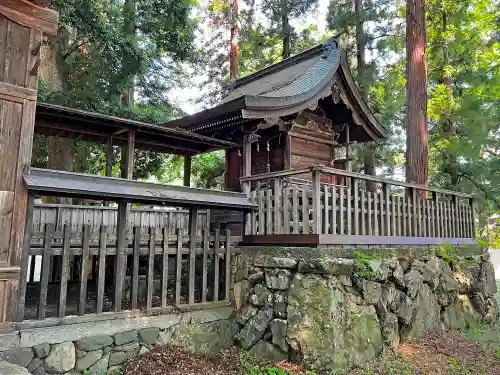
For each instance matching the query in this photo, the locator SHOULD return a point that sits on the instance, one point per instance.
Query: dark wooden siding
(233, 170)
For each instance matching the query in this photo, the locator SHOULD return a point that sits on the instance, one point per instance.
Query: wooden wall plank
(151, 266)
(82, 304)
(44, 276)
(216, 264)
(164, 273)
(102, 269)
(63, 284)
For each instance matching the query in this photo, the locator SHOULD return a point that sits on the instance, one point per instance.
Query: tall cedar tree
(416, 94)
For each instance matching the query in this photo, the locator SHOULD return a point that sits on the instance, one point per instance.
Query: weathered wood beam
(187, 171)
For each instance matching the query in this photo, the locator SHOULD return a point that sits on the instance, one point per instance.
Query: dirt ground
(477, 352)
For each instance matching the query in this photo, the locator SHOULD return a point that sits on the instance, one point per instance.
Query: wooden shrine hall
(296, 123)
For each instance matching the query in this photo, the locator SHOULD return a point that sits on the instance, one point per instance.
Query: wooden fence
(96, 216)
(77, 273)
(388, 208)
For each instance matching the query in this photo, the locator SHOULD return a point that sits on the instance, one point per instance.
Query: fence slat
(151, 268)
(45, 271)
(227, 279)
(269, 212)
(342, 213)
(205, 266)
(286, 210)
(295, 210)
(135, 267)
(276, 206)
(356, 205)
(63, 284)
(82, 303)
(102, 269)
(193, 216)
(349, 210)
(375, 214)
(334, 210)
(178, 268)
(216, 264)
(392, 231)
(363, 212)
(387, 210)
(261, 212)
(326, 209)
(164, 272)
(305, 212)
(254, 214)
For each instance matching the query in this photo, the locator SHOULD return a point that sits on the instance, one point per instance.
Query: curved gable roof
(286, 88)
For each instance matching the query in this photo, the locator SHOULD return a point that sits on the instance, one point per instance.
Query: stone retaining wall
(334, 313)
(75, 348)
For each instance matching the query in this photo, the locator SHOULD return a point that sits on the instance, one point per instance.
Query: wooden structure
(22, 25)
(310, 212)
(302, 111)
(77, 216)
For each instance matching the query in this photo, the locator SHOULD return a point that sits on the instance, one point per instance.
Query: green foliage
(362, 266)
(448, 253)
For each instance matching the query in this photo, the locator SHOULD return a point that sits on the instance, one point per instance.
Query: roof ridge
(292, 60)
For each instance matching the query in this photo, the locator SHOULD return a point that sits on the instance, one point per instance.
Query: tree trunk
(448, 129)
(416, 94)
(129, 27)
(368, 150)
(233, 56)
(285, 23)
(60, 150)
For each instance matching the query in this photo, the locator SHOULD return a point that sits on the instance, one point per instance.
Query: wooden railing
(72, 273)
(364, 206)
(76, 216)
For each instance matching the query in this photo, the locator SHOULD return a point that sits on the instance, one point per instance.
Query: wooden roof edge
(31, 14)
(53, 109)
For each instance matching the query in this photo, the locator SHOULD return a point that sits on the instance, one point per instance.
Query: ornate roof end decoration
(330, 45)
(253, 137)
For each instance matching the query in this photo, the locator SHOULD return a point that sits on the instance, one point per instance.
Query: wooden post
(122, 222)
(187, 170)
(21, 27)
(247, 171)
(193, 224)
(316, 201)
(109, 161)
(472, 217)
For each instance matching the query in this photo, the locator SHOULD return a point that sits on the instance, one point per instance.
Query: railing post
(472, 217)
(316, 198)
(277, 208)
(436, 222)
(247, 171)
(385, 190)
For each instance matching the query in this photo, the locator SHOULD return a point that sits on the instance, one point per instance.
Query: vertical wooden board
(24, 277)
(135, 267)
(286, 210)
(334, 210)
(295, 210)
(349, 211)
(261, 208)
(342, 210)
(82, 303)
(326, 209)
(316, 202)
(442, 211)
(6, 208)
(204, 266)
(121, 259)
(305, 212)
(193, 220)
(276, 206)
(393, 228)
(11, 115)
(269, 211)
(253, 197)
(387, 211)
(216, 264)
(151, 266)
(164, 268)
(16, 64)
(63, 286)
(178, 267)
(356, 206)
(45, 271)
(103, 237)
(227, 258)
(404, 215)
(382, 212)
(362, 214)
(375, 214)
(462, 220)
(369, 213)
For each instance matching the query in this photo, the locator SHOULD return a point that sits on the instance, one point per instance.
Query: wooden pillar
(122, 221)
(247, 171)
(21, 27)
(187, 170)
(109, 161)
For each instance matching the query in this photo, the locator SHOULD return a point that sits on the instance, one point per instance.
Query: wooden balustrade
(394, 208)
(164, 270)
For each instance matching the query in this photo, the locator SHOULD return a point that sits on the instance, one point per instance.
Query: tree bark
(416, 94)
(368, 149)
(129, 8)
(233, 55)
(448, 129)
(285, 23)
